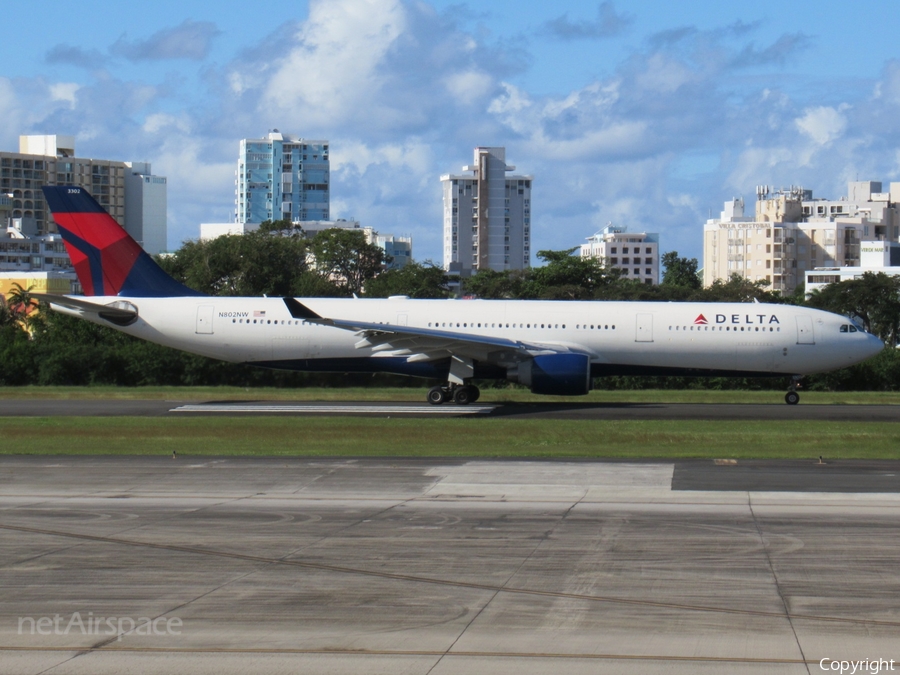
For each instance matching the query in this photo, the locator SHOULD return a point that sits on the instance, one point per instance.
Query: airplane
(551, 347)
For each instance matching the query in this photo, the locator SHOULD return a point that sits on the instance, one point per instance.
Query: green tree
(680, 271)
(496, 285)
(417, 280)
(344, 257)
(571, 277)
(739, 289)
(873, 298)
(282, 227)
(19, 307)
(257, 263)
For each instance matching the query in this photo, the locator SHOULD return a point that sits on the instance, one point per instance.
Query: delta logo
(744, 319)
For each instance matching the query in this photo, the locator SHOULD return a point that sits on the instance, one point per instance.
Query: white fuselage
(638, 337)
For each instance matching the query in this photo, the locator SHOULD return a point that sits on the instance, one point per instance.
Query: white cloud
(414, 155)
(157, 122)
(64, 91)
(469, 86)
(335, 65)
(823, 124)
(664, 74)
(757, 165)
(185, 160)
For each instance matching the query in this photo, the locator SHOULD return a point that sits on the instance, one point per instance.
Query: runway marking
(325, 408)
(449, 582)
(397, 652)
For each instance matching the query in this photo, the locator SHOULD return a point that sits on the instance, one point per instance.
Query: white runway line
(343, 409)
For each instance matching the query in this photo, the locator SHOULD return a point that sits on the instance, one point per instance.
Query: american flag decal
(257, 314)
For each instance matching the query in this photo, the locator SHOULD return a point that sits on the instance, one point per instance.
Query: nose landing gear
(792, 397)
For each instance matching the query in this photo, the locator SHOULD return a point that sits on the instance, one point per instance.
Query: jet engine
(554, 374)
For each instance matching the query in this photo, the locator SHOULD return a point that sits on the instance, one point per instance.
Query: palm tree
(19, 304)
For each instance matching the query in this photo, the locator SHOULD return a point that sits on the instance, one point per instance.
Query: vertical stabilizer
(106, 259)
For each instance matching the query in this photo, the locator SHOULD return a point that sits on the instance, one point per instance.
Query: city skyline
(641, 114)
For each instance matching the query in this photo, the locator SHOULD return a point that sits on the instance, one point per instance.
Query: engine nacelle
(555, 374)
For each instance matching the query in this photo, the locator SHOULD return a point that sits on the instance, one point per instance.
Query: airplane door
(644, 328)
(805, 334)
(205, 319)
(401, 319)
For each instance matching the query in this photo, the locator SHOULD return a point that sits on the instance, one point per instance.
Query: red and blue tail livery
(106, 259)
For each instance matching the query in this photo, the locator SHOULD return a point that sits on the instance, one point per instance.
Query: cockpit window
(849, 328)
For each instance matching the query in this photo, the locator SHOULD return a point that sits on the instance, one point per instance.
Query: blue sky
(647, 114)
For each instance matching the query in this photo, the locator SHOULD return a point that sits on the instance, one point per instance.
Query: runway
(440, 567)
(546, 410)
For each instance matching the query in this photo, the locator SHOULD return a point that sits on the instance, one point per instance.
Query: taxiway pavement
(546, 410)
(439, 567)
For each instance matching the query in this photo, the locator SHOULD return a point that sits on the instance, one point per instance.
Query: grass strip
(465, 437)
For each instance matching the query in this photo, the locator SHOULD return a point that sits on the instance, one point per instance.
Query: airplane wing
(118, 312)
(426, 344)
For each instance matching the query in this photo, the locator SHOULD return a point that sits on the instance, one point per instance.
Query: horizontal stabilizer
(120, 313)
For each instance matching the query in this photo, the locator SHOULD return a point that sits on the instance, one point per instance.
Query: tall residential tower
(282, 177)
(487, 216)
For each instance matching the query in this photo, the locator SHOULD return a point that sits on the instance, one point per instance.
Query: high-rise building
(791, 233)
(50, 160)
(282, 177)
(636, 254)
(487, 216)
(145, 207)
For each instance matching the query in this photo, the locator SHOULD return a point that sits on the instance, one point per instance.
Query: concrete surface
(440, 567)
(777, 410)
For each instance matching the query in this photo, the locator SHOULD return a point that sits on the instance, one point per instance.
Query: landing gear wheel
(436, 395)
(476, 392)
(465, 395)
(792, 398)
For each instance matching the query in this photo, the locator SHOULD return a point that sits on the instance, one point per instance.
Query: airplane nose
(873, 346)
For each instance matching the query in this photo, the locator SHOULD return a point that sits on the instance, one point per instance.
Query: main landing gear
(461, 370)
(792, 397)
(459, 394)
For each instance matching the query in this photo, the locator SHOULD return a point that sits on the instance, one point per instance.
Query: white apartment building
(874, 256)
(635, 254)
(791, 233)
(487, 216)
(146, 201)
